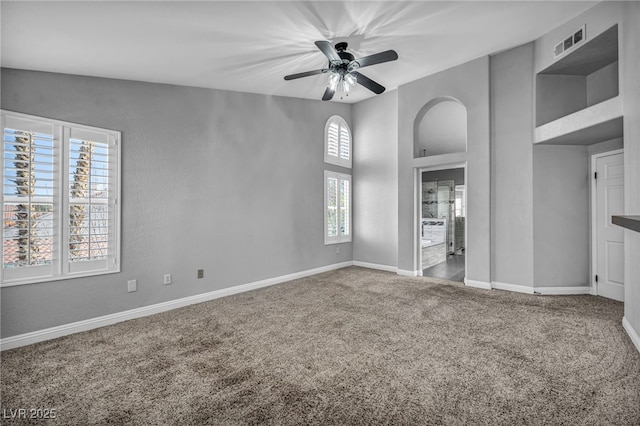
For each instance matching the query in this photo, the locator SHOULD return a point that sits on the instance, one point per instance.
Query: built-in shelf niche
(583, 84)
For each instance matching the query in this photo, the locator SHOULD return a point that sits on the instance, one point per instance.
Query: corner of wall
(634, 334)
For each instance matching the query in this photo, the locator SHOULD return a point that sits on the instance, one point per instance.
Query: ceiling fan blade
(328, 94)
(305, 74)
(368, 83)
(378, 58)
(328, 50)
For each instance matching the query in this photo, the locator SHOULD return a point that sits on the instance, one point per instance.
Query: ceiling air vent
(570, 42)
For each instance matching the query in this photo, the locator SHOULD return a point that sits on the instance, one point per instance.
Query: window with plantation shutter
(60, 200)
(337, 141)
(92, 203)
(28, 197)
(337, 212)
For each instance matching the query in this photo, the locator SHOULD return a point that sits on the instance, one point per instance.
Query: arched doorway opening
(440, 132)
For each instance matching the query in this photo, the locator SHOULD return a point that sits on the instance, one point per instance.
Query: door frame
(417, 211)
(592, 213)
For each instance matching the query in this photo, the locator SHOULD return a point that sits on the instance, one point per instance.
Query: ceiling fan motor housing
(347, 58)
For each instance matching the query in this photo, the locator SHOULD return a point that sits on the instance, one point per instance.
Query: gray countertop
(629, 222)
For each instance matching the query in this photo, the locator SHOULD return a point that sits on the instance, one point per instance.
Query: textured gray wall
(561, 216)
(559, 95)
(631, 85)
(512, 166)
(225, 181)
(603, 84)
(375, 171)
(468, 83)
(441, 130)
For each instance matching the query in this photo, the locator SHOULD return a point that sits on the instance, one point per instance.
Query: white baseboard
(477, 284)
(547, 291)
(375, 266)
(89, 324)
(512, 287)
(408, 273)
(635, 338)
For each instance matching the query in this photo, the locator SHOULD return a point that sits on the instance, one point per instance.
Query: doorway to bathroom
(442, 223)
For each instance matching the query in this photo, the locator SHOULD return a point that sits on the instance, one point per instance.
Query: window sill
(40, 280)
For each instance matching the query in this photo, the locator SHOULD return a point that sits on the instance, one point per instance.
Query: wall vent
(570, 42)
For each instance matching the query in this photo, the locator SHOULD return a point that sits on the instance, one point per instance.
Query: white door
(609, 238)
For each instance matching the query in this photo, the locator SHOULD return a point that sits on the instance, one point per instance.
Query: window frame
(332, 159)
(61, 268)
(338, 238)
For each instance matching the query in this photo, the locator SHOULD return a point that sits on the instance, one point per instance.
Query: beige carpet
(347, 347)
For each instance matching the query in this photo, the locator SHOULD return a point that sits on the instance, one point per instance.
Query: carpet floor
(347, 347)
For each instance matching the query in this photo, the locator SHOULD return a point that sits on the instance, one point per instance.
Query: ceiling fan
(343, 68)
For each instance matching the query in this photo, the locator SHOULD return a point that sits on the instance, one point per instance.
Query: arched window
(337, 186)
(337, 142)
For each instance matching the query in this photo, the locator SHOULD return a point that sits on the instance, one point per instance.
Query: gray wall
(630, 34)
(561, 216)
(225, 181)
(605, 146)
(375, 175)
(512, 166)
(441, 130)
(468, 83)
(559, 95)
(603, 84)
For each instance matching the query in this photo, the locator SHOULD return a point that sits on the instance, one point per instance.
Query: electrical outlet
(200, 273)
(132, 285)
(167, 279)
(338, 250)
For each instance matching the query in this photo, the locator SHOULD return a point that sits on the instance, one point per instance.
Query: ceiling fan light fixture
(350, 79)
(345, 86)
(334, 79)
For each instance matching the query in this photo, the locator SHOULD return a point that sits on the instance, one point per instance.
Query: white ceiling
(251, 46)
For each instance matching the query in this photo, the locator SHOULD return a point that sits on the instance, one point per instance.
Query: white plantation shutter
(337, 142)
(337, 207)
(333, 140)
(345, 143)
(344, 207)
(29, 156)
(92, 200)
(332, 206)
(60, 200)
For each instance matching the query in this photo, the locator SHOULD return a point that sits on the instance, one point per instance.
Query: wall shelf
(577, 97)
(590, 125)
